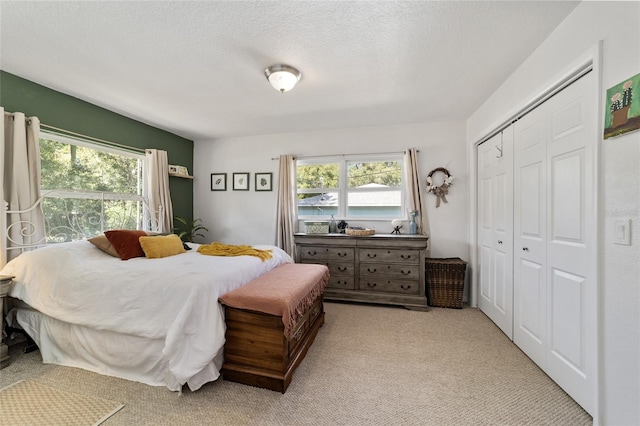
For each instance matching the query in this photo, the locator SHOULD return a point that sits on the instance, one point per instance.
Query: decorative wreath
(440, 191)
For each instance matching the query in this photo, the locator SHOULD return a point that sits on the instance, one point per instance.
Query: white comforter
(173, 298)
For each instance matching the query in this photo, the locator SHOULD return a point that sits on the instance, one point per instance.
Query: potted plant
(190, 229)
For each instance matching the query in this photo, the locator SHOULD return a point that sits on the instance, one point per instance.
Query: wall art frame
(263, 181)
(622, 108)
(218, 181)
(241, 181)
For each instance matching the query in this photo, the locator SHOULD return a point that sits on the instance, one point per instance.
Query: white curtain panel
(158, 194)
(21, 182)
(415, 196)
(286, 204)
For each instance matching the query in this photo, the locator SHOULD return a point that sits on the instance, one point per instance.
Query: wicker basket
(359, 232)
(445, 282)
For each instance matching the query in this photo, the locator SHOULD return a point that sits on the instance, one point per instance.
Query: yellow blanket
(219, 249)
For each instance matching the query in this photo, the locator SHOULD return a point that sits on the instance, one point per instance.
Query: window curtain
(158, 194)
(286, 204)
(415, 190)
(21, 182)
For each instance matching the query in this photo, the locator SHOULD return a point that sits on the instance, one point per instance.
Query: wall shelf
(181, 176)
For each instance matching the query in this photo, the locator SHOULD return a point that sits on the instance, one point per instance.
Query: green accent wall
(72, 114)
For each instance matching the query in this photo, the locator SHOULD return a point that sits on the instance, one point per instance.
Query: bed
(155, 321)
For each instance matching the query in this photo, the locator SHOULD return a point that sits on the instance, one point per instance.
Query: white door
(571, 230)
(495, 229)
(530, 194)
(554, 239)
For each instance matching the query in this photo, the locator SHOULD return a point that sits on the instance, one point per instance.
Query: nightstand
(5, 281)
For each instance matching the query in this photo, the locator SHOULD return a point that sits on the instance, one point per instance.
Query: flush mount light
(282, 77)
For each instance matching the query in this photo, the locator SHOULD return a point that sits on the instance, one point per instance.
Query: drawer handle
(369, 270)
(315, 311)
(407, 287)
(499, 241)
(405, 257)
(371, 256)
(298, 334)
(342, 254)
(342, 268)
(342, 282)
(371, 285)
(312, 253)
(405, 272)
(525, 248)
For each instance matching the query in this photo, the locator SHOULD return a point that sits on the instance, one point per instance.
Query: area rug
(29, 402)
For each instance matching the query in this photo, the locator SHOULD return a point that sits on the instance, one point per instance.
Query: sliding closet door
(571, 228)
(554, 239)
(530, 195)
(495, 229)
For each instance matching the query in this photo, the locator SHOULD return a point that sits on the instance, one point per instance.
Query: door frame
(591, 61)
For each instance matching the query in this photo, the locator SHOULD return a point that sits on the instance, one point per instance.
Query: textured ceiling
(196, 68)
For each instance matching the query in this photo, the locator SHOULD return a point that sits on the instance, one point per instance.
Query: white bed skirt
(105, 352)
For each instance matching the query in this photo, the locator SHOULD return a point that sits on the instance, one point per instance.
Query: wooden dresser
(380, 268)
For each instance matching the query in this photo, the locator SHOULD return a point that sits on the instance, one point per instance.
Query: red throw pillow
(126, 242)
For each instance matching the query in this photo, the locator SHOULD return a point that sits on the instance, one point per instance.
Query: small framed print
(241, 181)
(178, 170)
(263, 181)
(218, 181)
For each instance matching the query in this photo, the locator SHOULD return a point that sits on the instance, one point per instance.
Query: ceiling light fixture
(282, 77)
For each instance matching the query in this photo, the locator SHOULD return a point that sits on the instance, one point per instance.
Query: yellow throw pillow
(161, 246)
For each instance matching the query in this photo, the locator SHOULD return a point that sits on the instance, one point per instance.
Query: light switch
(622, 232)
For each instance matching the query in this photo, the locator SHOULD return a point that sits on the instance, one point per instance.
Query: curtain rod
(64, 132)
(346, 155)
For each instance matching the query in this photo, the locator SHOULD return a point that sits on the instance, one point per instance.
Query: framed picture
(178, 170)
(622, 110)
(218, 181)
(241, 181)
(263, 181)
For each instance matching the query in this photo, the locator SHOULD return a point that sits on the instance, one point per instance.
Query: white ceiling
(196, 68)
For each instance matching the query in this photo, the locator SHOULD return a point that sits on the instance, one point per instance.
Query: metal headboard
(72, 215)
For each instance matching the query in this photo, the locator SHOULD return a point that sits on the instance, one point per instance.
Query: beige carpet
(369, 365)
(32, 403)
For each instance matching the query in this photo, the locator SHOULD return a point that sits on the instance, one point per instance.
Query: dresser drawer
(389, 270)
(337, 268)
(345, 282)
(389, 286)
(389, 255)
(326, 253)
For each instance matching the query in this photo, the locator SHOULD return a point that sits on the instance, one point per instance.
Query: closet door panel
(567, 198)
(530, 205)
(502, 280)
(485, 201)
(530, 311)
(486, 278)
(571, 227)
(567, 334)
(495, 229)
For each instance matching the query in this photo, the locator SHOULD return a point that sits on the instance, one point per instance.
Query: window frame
(343, 183)
(79, 194)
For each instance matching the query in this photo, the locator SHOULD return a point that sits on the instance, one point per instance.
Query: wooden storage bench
(271, 323)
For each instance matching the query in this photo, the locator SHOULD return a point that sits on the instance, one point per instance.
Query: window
(88, 188)
(351, 187)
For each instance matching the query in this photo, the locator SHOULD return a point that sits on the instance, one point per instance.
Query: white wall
(249, 217)
(618, 25)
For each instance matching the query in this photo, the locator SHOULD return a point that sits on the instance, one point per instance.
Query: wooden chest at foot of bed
(256, 351)
(271, 323)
